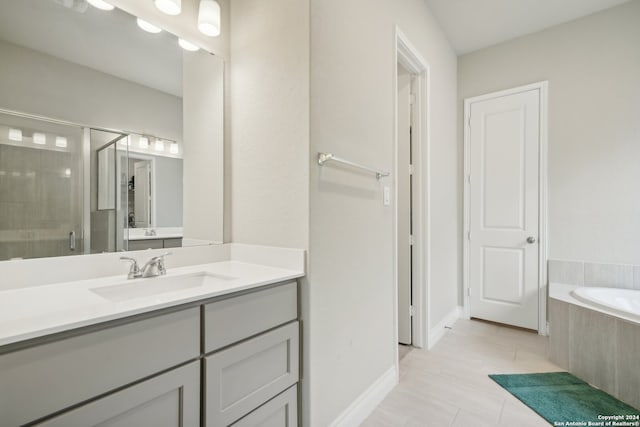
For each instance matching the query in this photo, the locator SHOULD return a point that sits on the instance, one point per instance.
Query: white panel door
(142, 194)
(504, 200)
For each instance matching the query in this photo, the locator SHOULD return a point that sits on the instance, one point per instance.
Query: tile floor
(449, 386)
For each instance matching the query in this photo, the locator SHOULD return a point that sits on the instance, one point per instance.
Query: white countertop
(32, 312)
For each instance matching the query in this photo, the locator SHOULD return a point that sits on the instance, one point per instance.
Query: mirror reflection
(97, 151)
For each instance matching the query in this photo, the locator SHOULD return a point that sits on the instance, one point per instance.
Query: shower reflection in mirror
(66, 189)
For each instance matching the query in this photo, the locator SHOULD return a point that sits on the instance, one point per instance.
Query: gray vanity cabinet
(168, 400)
(245, 376)
(236, 355)
(281, 411)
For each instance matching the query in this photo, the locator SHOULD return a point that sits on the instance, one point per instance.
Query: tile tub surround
(597, 347)
(584, 273)
(40, 309)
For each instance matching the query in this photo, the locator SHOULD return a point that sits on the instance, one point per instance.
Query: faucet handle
(134, 270)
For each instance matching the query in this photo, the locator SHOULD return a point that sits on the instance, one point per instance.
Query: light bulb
(61, 142)
(15, 134)
(100, 4)
(148, 27)
(159, 145)
(188, 45)
(170, 7)
(143, 142)
(209, 18)
(39, 138)
(173, 149)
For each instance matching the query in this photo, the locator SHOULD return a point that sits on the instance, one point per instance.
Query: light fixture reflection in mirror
(148, 27)
(188, 45)
(101, 4)
(170, 7)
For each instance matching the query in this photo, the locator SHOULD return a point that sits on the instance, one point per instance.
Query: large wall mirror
(111, 136)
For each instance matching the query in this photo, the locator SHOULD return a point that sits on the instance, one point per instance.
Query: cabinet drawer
(41, 380)
(231, 320)
(243, 377)
(168, 400)
(140, 245)
(281, 411)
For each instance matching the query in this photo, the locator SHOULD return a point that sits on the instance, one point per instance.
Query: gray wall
(351, 232)
(593, 68)
(40, 84)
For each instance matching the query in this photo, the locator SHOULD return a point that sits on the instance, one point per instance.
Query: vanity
(205, 345)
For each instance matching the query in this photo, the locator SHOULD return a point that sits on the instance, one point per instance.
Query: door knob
(531, 240)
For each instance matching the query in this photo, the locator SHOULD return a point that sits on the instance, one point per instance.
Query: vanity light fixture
(143, 142)
(61, 142)
(173, 149)
(67, 172)
(101, 4)
(188, 45)
(159, 145)
(15, 134)
(170, 7)
(148, 27)
(39, 138)
(209, 18)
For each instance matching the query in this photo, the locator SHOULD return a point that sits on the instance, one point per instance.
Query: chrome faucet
(134, 270)
(155, 266)
(152, 268)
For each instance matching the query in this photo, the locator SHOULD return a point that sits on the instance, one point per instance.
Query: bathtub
(594, 333)
(622, 302)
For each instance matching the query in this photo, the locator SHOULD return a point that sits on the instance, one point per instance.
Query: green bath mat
(565, 400)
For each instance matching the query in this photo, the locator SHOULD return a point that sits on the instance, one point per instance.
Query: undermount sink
(142, 288)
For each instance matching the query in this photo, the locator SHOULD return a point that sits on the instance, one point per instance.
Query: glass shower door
(41, 188)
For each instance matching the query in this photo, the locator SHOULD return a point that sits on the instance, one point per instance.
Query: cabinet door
(245, 376)
(141, 245)
(168, 400)
(281, 411)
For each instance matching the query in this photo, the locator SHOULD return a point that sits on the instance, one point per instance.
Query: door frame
(543, 241)
(409, 57)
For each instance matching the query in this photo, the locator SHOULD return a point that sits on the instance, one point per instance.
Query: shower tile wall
(594, 274)
(38, 202)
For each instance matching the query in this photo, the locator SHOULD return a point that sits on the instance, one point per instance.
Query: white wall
(593, 68)
(270, 122)
(349, 337)
(203, 117)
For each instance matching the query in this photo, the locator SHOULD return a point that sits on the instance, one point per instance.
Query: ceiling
(475, 24)
(110, 42)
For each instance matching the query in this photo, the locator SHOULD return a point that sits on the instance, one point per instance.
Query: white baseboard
(364, 404)
(438, 331)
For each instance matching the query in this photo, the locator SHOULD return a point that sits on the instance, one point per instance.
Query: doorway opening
(411, 204)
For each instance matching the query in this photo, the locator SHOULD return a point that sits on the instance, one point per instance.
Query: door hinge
(412, 311)
(469, 178)
(411, 169)
(412, 240)
(468, 235)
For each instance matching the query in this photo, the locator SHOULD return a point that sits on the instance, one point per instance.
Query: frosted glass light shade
(39, 138)
(100, 4)
(170, 7)
(61, 142)
(209, 18)
(148, 27)
(159, 145)
(188, 45)
(173, 149)
(15, 134)
(143, 142)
